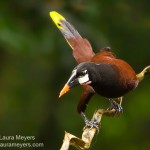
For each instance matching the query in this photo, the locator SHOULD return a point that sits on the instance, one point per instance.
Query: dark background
(35, 63)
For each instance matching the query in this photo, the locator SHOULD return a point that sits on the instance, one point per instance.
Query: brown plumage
(126, 78)
(100, 73)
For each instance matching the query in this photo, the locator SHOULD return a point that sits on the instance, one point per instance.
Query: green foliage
(35, 62)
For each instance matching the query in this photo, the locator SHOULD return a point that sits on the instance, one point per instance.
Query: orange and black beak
(72, 82)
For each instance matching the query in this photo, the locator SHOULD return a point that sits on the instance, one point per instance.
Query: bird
(99, 73)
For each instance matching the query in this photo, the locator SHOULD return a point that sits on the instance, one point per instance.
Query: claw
(91, 124)
(114, 105)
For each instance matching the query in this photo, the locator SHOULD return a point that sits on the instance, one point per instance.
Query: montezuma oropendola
(100, 73)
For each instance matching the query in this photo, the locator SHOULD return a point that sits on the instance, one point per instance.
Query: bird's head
(79, 76)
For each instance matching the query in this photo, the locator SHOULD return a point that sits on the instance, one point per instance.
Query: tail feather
(82, 50)
(68, 31)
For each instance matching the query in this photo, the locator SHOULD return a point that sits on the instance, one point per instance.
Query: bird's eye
(83, 72)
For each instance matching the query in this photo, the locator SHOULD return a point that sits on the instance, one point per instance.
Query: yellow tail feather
(56, 17)
(68, 31)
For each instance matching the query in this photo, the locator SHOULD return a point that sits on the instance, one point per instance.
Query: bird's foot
(114, 105)
(90, 123)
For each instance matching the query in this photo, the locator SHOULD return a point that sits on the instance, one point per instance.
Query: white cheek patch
(83, 79)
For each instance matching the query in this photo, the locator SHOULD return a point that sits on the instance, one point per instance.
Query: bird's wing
(82, 50)
(86, 95)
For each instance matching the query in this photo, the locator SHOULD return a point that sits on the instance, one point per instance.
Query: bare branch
(144, 72)
(88, 134)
